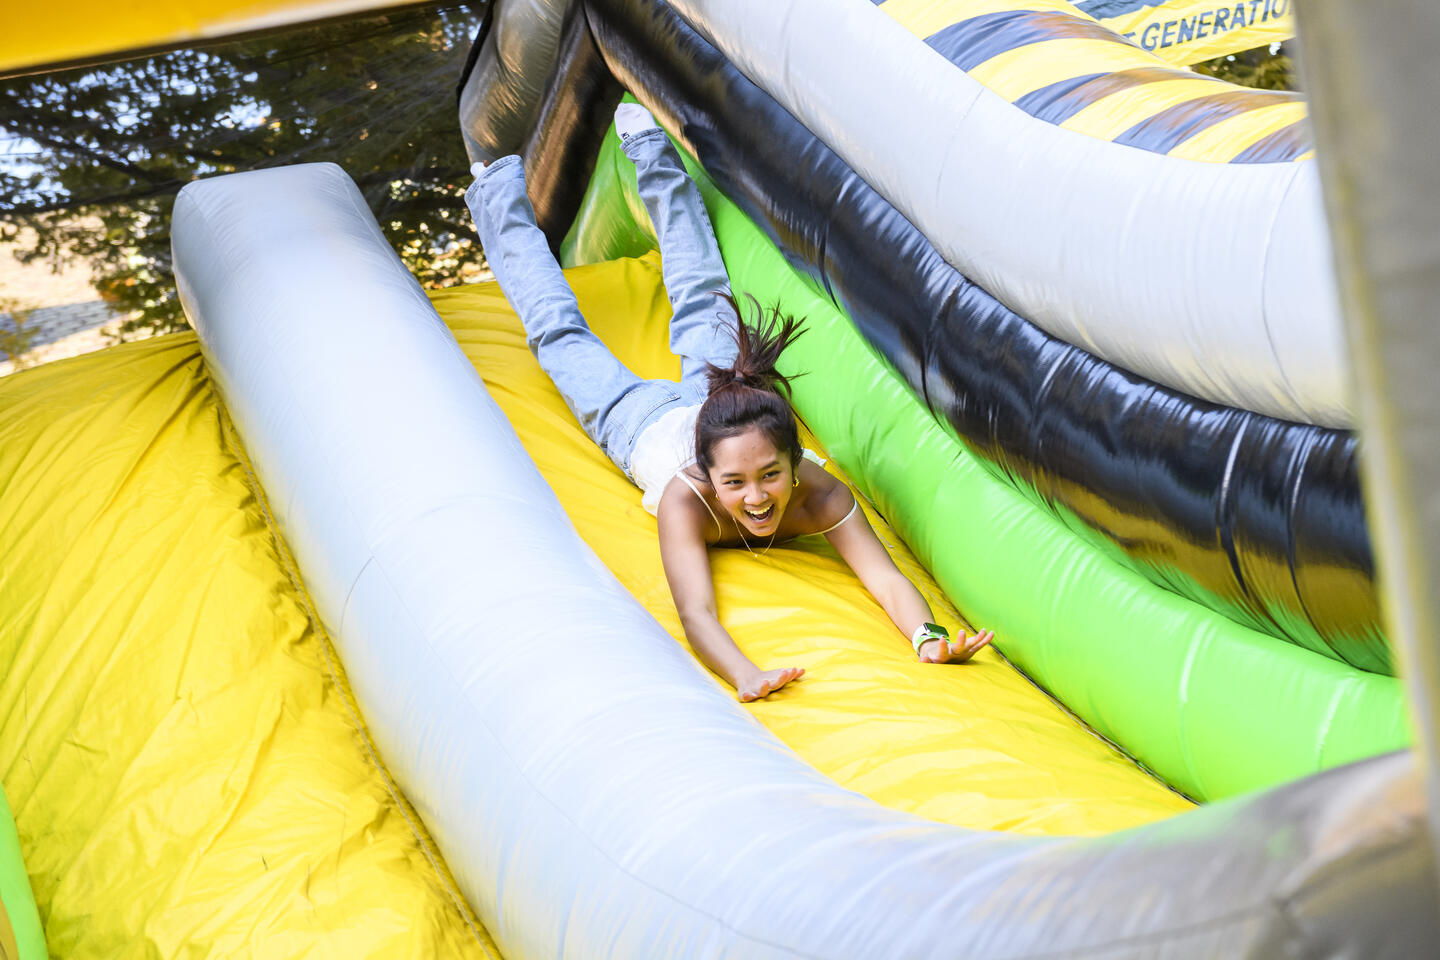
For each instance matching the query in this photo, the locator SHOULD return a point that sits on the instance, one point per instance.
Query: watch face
(937, 630)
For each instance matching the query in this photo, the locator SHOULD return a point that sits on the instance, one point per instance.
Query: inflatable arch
(616, 801)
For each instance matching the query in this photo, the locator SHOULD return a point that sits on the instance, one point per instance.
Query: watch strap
(927, 632)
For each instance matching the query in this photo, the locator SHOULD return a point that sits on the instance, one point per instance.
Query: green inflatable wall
(20, 933)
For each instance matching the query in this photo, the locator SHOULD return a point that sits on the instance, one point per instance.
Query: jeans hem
(642, 138)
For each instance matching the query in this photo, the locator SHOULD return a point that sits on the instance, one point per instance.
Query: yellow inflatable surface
(46, 35)
(975, 745)
(187, 773)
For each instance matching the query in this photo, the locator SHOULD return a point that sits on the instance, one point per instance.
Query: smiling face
(753, 480)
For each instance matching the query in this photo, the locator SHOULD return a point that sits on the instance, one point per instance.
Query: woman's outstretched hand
(955, 651)
(767, 682)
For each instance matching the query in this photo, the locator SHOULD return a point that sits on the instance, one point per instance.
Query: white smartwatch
(927, 632)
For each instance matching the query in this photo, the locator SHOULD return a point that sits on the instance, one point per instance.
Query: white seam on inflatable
(1182, 700)
(1332, 709)
(350, 592)
(1295, 169)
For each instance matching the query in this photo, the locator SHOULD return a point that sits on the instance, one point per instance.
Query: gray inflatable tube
(617, 802)
(1106, 246)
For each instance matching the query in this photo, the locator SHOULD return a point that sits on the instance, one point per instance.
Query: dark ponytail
(751, 393)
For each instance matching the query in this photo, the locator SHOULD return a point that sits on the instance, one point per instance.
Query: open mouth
(760, 517)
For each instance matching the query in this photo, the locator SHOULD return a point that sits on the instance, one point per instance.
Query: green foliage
(117, 142)
(1263, 68)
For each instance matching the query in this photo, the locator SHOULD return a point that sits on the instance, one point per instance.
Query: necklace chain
(762, 553)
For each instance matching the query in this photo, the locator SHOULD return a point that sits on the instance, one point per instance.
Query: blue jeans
(613, 405)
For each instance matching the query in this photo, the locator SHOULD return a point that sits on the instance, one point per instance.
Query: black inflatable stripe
(575, 112)
(1287, 143)
(1171, 127)
(1103, 9)
(1258, 518)
(971, 42)
(476, 45)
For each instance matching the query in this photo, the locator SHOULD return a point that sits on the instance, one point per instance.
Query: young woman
(717, 454)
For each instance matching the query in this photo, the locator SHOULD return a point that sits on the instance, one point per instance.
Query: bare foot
(766, 683)
(955, 651)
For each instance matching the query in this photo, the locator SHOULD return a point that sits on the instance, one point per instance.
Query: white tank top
(666, 447)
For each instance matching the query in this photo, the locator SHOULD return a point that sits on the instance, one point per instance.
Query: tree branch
(121, 166)
(160, 189)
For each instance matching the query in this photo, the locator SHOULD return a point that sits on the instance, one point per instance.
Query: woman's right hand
(764, 683)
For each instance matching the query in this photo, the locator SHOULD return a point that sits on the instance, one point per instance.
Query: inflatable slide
(352, 642)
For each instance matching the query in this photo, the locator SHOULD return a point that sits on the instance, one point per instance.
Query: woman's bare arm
(685, 554)
(858, 546)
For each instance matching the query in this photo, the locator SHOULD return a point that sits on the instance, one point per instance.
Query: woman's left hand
(955, 651)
